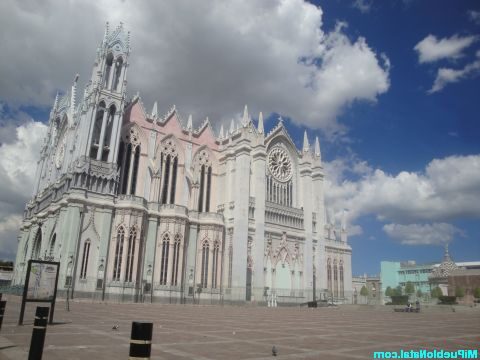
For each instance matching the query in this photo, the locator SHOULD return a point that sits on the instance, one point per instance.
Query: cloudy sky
(390, 87)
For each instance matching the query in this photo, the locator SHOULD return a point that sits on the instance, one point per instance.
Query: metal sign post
(40, 285)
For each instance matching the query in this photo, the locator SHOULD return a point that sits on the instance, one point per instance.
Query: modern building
(423, 276)
(139, 206)
(395, 273)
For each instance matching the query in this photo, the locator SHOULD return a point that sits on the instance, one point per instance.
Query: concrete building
(139, 205)
(423, 276)
(372, 284)
(395, 273)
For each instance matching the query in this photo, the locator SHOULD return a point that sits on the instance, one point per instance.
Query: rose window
(279, 164)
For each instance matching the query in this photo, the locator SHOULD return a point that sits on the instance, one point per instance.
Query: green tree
(436, 292)
(409, 288)
(389, 291)
(459, 292)
(364, 291)
(398, 291)
(419, 293)
(476, 293)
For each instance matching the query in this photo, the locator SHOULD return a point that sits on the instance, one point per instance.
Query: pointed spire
(446, 256)
(232, 127)
(245, 118)
(317, 147)
(155, 110)
(306, 145)
(190, 123)
(55, 103)
(221, 136)
(73, 97)
(260, 123)
(105, 36)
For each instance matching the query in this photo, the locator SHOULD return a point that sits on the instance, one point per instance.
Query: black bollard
(141, 340)
(2, 311)
(38, 334)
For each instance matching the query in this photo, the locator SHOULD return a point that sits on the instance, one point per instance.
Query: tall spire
(232, 126)
(73, 97)
(155, 110)
(260, 123)
(221, 135)
(317, 147)
(246, 117)
(55, 103)
(446, 256)
(306, 145)
(105, 36)
(189, 123)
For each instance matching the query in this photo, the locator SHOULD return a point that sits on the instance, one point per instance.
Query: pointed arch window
(97, 130)
(51, 251)
(117, 265)
(230, 265)
(342, 289)
(108, 69)
(176, 259)
(107, 137)
(86, 253)
(164, 262)
(203, 169)
(118, 73)
(129, 160)
(134, 173)
(131, 254)
(37, 244)
(216, 250)
(335, 279)
(329, 276)
(169, 169)
(205, 188)
(165, 180)
(204, 272)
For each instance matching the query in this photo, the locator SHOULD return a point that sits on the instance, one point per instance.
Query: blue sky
(403, 160)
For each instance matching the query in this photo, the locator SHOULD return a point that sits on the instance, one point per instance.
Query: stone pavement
(233, 332)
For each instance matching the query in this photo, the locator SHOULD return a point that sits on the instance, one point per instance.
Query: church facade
(139, 206)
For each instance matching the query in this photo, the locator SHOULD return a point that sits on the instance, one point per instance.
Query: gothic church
(142, 207)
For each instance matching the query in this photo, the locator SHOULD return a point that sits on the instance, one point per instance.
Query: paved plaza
(234, 332)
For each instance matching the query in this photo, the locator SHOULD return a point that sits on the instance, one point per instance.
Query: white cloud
(431, 49)
(422, 234)
(18, 161)
(474, 16)
(363, 5)
(208, 58)
(447, 76)
(446, 190)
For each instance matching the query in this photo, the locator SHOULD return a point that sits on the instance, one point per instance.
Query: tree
(436, 292)
(459, 291)
(398, 291)
(476, 293)
(409, 288)
(389, 291)
(419, 293)
(364, 291)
